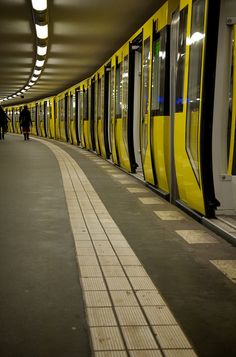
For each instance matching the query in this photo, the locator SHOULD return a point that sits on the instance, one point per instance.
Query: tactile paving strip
(123, 305)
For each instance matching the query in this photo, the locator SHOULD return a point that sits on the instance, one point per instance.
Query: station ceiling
(83, 34)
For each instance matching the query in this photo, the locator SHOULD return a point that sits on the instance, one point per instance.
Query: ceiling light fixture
(39, 5)
(39, 63)
(41, 51)
(41, 31)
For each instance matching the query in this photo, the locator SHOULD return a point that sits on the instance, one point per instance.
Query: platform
(94, 263)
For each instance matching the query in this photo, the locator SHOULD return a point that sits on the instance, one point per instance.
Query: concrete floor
(41, 305)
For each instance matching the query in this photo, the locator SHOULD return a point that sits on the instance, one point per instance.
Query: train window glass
(160, 96)
(181, 52)
(99, 98)
(118, 90)
(85, 105)
(112, 92)
(146, 67)
(125, 81)
(231, 146)
(73, 106)
(102, 98)
(145, 91)
(195, 43)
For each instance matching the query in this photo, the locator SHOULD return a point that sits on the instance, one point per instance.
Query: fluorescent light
(14, 96)
(39, 63)
(31, 83)
(19, 93)
(42, 31)
(37, 71)
(23, 91)
(41, 51)
(34, 79)
(39, 5)
(27, 87)
(9, 97)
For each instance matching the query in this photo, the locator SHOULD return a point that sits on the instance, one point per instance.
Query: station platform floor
(94, 263)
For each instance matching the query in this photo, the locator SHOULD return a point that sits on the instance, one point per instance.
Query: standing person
(3, 122)
(25, 122)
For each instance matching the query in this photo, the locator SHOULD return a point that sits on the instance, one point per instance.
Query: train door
(56, 118)
(107, 108)
(97, 114)
(224, 148)
(91, 103)
(73, 125)
(85, 120)
(37, 119)
(45, 111)
(136, 74)
(66, 118)
(193, 105)
(78, 106)
(113, 147)
(123, 122)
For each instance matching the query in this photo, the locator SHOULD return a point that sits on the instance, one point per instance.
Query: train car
(102, 105)
(151, 105)
(72, 117)
(224, 123)
(34, 127)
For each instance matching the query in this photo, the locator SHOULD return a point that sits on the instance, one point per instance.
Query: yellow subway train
(151, 108)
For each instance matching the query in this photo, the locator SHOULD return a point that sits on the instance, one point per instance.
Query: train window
(73, 106)
(85, 105)
(181, 51)
(102, 98)
(145, 91)
(99, 98)
(125, 81)
(112, 92)
(146, 67)
(118, 90)
(160, 96)
(195, 43)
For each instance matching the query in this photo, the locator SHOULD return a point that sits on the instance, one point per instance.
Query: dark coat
(25, 118)
(3, 118)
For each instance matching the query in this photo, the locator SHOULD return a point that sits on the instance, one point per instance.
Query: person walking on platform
(3, 122)
(25, 122)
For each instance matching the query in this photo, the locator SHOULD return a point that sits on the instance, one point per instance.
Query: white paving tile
(124, 251)
(129, 260)
(98, 236)
(112, 270)
(101, 316)
(196, 236)
(136, 270)
(227, 267)
(150, 200)
(118, 283)
(171, 337)
(81, 236)
(90, 271)
(97, 298)
(120, 244)
(83, 244)
(139, 338)
(111, 354)
(169, 215)
(142, 283)
(130, 316)
(87, 260)
(179, 353)
(93, 284)
(106, 338)
(85, 251)
(123, 298)
(104, 251)
(150, 353)
(159, 315)
(108, 260)
(150, 298)
(136, 189)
